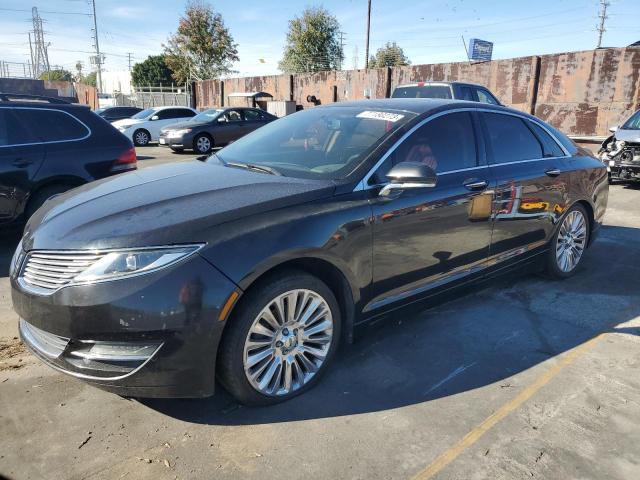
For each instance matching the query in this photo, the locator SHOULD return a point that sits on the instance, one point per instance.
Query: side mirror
(222, 120)
(407, 175)
(613, 129)
(155, 117)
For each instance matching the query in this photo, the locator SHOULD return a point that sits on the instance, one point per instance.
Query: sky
(428, 31)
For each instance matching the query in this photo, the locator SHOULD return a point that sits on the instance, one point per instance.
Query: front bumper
(154, 335)
(624, 171)
(185, 141)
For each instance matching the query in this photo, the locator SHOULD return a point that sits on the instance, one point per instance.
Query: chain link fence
(16, 70)
(160, 96)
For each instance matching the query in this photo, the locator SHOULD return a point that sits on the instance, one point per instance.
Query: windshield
(144, 113)
(426, 91)
(208, 115)
(319, 143)
(633, 123)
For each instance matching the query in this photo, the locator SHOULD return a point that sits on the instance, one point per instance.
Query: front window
(425, 91)
(633, 123)
(208, 115)
(320, 143)
(145, 113)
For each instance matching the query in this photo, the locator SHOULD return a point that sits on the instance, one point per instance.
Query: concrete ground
(524, 378)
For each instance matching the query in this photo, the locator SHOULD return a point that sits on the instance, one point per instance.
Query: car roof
(418, 106)
(443, 83)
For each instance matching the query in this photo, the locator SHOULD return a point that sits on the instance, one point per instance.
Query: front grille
(53, 270)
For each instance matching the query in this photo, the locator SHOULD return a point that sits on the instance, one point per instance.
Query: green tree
(202, 48)
(313, 43)
(153, 71)
(58, 74)
(390, 55)
(90, 79)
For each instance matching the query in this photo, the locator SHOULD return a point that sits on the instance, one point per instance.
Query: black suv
(48, 146)
(111, 114)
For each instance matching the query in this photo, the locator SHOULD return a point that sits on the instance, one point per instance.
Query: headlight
(178, 133)
(15, 260)
(120, 264)
(124, 127)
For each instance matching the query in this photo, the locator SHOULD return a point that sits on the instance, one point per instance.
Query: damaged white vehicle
(621, 151)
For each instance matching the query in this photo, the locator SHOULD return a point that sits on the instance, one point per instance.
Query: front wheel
(281, 339)
(141, 138)
(569, 243)
(202, 144)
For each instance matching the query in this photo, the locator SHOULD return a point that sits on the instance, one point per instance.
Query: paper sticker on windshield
(386, 116)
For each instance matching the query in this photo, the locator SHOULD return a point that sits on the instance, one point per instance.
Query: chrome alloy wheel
(572, 240)
(288, 342)
(141, 137)
(203, 144)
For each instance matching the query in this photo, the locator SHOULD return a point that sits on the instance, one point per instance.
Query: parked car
(145, 126)
(454, 90)
(111, 114)
(214, 127)
(48, 146)
(250, 267)
(621, 151)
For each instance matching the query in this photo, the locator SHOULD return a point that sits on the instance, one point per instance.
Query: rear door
(253, 119)
(21, 155)
(425, 237)
(532, 175)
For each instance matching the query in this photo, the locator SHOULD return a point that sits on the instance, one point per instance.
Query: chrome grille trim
(45, 343)
(49, 271)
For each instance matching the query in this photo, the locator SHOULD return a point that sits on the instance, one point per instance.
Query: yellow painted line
(474, 435)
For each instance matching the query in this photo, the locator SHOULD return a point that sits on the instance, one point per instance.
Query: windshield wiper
(257, 168)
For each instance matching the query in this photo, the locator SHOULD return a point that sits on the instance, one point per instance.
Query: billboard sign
(480, 49)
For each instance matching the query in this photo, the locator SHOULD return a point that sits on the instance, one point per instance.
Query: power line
(48, 12)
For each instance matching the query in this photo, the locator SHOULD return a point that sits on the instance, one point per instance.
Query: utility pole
(31, 49)
(603, 16)
(342, 34)
(129, 59)
(366, 48)
(98, 57)
(40, 55)
(355, 57)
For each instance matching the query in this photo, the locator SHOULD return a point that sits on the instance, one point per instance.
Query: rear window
(52, 125)
(510, 140)
(551, 147)
(426, 91)
(12, 132)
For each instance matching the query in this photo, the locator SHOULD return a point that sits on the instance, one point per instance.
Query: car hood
(127, 121)
(177, 126)
(163, 205)
(632, 136)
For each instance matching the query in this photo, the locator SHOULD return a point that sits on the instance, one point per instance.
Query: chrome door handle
(553, 172)
(477, 185)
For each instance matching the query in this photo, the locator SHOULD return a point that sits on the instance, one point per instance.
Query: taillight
(126, 160)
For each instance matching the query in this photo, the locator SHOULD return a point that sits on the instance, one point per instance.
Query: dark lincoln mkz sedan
(251, 266)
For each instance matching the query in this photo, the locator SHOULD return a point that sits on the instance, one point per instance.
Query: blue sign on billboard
(480, 49)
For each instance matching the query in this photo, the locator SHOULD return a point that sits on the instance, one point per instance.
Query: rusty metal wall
(584, 93)
(581, 93)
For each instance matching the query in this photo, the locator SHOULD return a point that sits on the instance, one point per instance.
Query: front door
(426, 237)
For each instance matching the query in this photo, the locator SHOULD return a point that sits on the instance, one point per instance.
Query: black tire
(230, 364)
(553, 270)
(202, 149)
(141, 137)
(41, 196)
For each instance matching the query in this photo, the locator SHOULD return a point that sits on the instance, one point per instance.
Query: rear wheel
(202, 143)
(569, 243)
(141, 138)
(281, 340)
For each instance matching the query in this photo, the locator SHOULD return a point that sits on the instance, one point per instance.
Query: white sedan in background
(145, 126)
